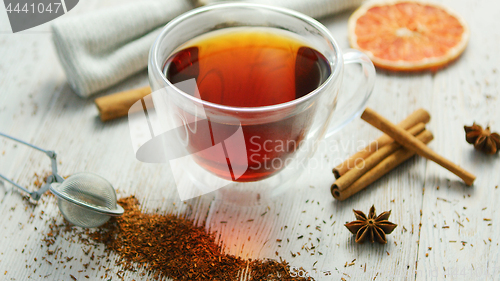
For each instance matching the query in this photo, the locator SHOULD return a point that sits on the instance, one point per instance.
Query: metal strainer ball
(86, 199)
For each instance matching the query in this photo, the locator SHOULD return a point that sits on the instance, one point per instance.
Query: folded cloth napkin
(100, 49)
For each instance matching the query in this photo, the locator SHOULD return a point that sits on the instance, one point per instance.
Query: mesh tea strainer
(84, 199)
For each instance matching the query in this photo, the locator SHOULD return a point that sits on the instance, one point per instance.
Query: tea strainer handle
(54, 177)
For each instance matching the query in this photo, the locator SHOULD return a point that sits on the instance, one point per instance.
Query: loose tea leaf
(172, 246)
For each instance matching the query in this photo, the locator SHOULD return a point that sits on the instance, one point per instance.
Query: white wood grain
(38, 106)
(467, 92)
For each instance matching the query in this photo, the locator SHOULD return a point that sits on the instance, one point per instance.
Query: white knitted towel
(100, 49)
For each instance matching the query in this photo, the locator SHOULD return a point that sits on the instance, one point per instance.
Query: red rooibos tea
(250, 67)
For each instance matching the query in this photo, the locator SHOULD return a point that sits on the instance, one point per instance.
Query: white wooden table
(441, 231)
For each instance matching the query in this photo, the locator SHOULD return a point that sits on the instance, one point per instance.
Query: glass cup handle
(350, 105)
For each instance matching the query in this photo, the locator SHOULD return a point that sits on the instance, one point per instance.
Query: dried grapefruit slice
(408, 35)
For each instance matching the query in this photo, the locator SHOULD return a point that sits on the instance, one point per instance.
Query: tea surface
(249, 67)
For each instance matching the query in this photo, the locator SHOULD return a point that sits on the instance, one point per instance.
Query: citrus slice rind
(405, 35)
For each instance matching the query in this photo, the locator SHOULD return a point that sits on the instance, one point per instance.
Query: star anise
(371, 227)
(482, 140)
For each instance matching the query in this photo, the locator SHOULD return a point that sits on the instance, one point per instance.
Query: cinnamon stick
(367, 164)
(382, 168)
(118, 104)
(419, 115)
(410, 142)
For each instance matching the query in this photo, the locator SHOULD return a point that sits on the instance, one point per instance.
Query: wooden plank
(454, 240)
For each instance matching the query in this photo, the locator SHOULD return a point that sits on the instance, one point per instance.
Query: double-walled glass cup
(247, 150)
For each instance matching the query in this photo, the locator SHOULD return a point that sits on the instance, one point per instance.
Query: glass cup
(244, 152)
